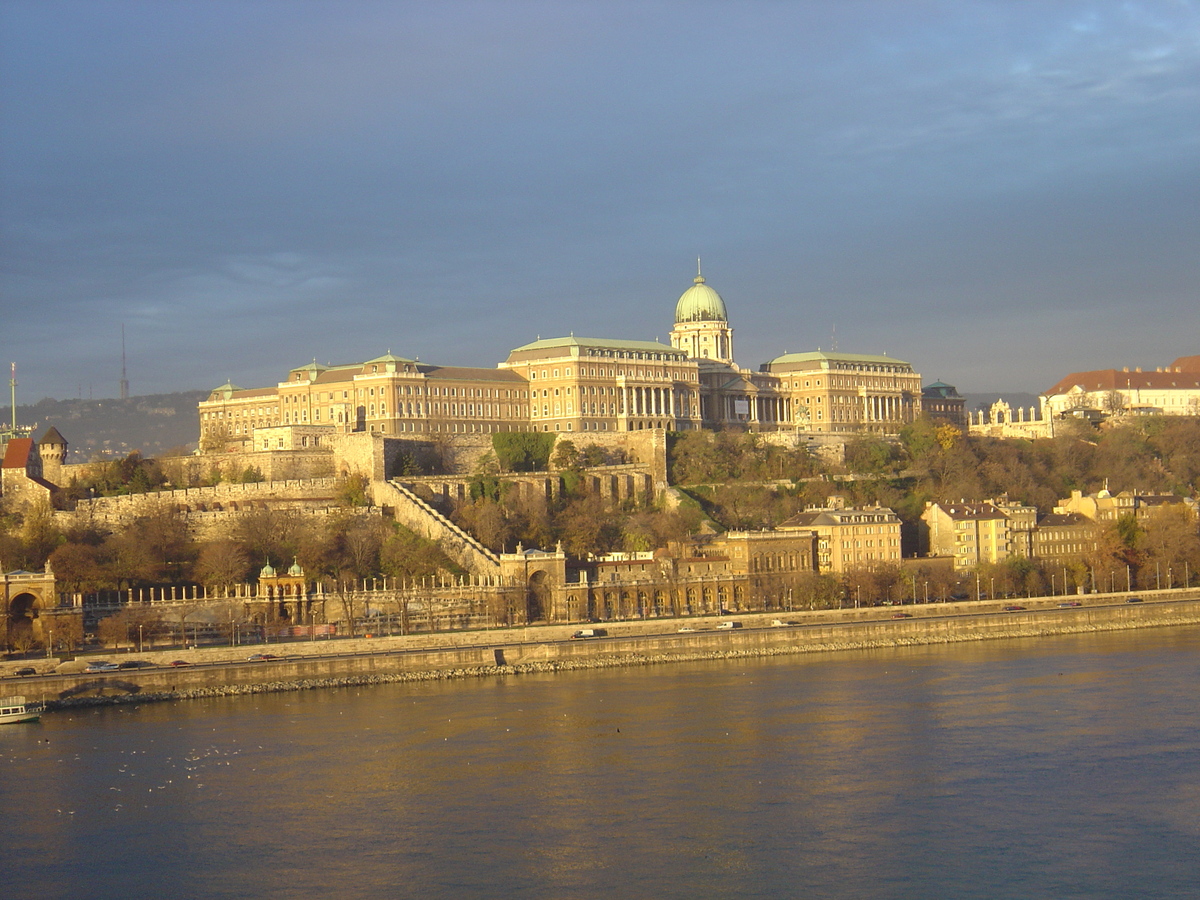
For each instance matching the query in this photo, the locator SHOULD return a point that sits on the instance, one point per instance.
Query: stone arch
(537, 596)
(23, 610)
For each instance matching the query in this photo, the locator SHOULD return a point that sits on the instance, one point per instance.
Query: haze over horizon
(1000, 193)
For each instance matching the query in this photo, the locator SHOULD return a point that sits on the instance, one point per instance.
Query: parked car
(728, 625)
(262, 657)
(135, 664)
(101, 666)
(901, 615)
(180, 662)
(1013, 607)
(1133, 599)
(1069, 604)
(686, 628)
(26, 670)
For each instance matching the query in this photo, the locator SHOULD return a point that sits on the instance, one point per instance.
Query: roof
(1187, 363)
(1114, 379)
(840, 516)
(965, 511)
(700, 303)
(52, 437)
(820, 356)
(1052, 520)
(241, 393)
(465, 373)
(17, 453)
(389, 358)
(940, 389)
(602, 343)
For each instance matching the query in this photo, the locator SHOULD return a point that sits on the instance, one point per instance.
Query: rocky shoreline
(618, 660)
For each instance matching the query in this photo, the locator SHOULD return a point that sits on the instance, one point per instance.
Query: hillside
(152, 424)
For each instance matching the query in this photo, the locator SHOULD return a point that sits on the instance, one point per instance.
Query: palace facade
(576, 384)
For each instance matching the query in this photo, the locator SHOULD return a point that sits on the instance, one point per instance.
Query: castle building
(1170, 391)
(575, 384)
(942, 401)
(845, 393)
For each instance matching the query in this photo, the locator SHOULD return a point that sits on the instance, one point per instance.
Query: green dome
(700, 303)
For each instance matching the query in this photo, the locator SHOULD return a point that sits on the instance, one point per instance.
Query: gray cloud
(999, 192)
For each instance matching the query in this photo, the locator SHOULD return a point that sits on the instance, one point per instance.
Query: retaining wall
(635, 643)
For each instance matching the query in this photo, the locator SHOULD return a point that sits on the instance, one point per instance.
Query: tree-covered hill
(151, 424)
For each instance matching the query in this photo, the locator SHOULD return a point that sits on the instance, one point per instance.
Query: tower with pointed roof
(702, 323)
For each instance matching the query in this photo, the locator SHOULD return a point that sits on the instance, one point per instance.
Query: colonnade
(886, 408)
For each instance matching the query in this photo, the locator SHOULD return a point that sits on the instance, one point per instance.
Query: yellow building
(575, 384)
(971, 533)
(590, 384)
(846, 393)
(849, 538)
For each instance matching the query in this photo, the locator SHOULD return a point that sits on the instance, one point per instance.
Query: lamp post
(139, 638)
(1051, 584)
(50, 645)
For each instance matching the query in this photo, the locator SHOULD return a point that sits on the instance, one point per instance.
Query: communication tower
(124, 380)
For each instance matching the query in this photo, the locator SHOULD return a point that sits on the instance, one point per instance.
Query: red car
(1013, 608)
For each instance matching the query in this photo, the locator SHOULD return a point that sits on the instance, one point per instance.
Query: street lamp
(50, 645)
(139, 638)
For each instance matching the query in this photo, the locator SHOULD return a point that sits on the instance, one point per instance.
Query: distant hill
(152, 424)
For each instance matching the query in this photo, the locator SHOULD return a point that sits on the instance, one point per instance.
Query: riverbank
(516, 651)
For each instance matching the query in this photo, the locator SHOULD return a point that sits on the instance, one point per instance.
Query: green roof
(602, 343)
(388, 358)
(700, 303)
(821, 356)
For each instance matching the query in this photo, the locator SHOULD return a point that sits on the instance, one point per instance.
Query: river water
(1058, 767)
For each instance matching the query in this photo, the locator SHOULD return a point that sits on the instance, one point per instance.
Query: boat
(15, 709)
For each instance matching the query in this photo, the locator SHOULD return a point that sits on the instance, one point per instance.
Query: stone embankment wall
(477, 654)
(302, 494)
(418, 516)
(610, 483)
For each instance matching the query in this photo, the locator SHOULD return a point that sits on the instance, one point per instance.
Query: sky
(1000, 193)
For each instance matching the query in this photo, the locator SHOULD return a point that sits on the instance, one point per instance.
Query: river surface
(1058, 767)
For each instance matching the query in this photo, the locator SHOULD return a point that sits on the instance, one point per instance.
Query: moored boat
(15, 709)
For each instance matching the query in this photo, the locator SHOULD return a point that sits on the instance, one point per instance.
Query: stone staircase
(418, 516)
